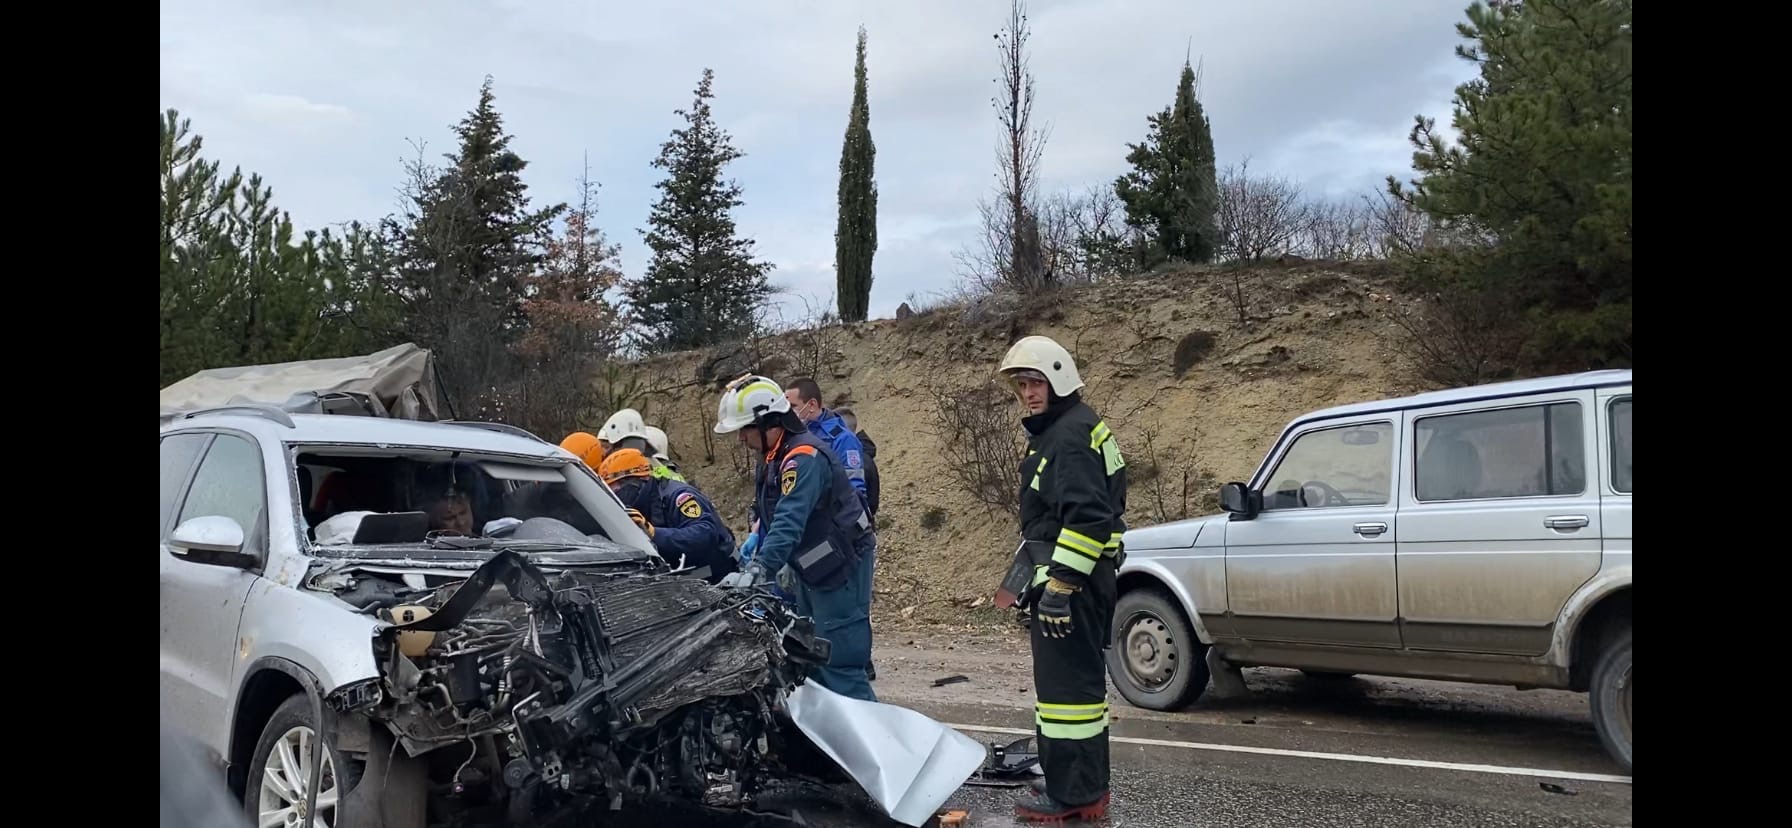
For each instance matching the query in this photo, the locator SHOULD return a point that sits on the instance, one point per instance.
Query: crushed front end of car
(532, 694)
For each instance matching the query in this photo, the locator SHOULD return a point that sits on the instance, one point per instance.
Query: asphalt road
(1298, 751)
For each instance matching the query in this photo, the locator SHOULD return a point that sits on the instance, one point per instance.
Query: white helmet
(746, 400)
(1041, 354)
(656, 440)
(623, 425)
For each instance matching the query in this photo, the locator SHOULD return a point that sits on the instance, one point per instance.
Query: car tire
(1610, 696)
(290, 731)
(1327, 675)
(1155, 660)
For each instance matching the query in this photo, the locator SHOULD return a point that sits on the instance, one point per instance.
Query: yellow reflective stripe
(1114, 540)
(740, 400)
(1051, 728)
(1075, 560)
(1069, 712)
(1041, 573)
(1099, 433)
(1080, 542)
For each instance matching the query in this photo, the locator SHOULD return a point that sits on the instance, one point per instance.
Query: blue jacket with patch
(685, 524)
(802, 499)
(847, 449)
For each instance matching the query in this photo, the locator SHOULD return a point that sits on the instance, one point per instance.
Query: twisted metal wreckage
(580, 690)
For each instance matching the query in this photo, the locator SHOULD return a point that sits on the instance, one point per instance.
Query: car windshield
(356, 497)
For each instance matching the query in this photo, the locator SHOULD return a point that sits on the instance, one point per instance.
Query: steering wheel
(1333, 497)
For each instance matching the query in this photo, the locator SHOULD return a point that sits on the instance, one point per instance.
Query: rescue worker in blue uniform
(812, 520)
(805, 400)
(1072, 502)
(681, 522)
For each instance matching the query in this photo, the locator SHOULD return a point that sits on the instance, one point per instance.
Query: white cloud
(321, 98)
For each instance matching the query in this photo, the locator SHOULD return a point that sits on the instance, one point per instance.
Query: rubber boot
(1041, 808)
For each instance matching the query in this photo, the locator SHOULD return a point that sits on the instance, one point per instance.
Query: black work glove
(1052, 613)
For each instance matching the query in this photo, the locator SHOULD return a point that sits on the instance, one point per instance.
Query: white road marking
(1336, 757)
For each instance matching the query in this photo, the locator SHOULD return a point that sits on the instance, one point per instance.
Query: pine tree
(466, 241)
(1172, 192)
(702, 286)
(855, 234)
(1535, 192)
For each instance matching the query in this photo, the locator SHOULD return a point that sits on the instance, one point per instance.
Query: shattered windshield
(354, 498)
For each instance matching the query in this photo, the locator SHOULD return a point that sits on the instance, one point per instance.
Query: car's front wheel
(280, 771)
(1156, 661)
(1610, 696)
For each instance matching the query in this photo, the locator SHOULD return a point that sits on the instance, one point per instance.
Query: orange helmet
(586, 447)
(622, 464)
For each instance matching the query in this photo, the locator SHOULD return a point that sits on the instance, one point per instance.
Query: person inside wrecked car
(681, 522)
(811, 519)
(1072, 499)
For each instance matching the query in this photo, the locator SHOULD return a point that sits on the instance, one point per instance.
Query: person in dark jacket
(681, 522)
(1072, 499)
(811, 519)
(871, 477)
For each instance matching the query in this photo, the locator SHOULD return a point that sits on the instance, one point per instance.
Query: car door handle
(1566, 522)
(1369, 530)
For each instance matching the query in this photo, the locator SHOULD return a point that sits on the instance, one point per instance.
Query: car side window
(1620, 422)
(229, 483)
(1528, 451)
(178, 453)
(1333, 467)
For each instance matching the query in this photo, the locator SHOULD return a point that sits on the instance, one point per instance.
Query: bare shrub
(1258, 217)
(1173, 485)
(978, 434)
(1338, 230)
(1458, 337)
(810, 344)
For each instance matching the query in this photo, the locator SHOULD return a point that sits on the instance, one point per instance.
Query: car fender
(1609, 580)
(1155, 569)
(315, 632)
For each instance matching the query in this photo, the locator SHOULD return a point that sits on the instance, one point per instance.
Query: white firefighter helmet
(1041, 354)
(746, 400)
(623, 425)
(656, 440)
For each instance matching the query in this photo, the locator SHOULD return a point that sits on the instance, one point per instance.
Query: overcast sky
(321, 97)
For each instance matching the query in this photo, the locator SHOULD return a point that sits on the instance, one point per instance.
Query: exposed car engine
(532, 693)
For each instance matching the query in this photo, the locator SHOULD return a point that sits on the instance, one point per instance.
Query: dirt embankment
(1194, 397)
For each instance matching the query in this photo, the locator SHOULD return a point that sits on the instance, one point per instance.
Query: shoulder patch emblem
(689, 505)
(852, 458)
(787, 480)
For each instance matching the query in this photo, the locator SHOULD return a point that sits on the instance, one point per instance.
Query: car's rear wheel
(1156, 661)
(280, 771)
(1610, 696)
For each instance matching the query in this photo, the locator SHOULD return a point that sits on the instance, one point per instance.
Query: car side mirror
(214, 540)
(1240, 500)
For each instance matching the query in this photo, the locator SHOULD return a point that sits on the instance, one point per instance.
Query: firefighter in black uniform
(1072, 498)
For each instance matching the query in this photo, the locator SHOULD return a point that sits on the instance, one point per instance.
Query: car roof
(343, 429)
(1474, 393)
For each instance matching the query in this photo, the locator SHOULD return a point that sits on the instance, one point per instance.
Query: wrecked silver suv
(373, 621)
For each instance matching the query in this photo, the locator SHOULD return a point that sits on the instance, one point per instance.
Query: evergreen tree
(1535, 193)
(702, 286)
(237, 285)
(467, 239)
(855, 234)
(1172, 192)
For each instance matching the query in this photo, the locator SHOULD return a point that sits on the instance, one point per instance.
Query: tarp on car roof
(398, 382)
